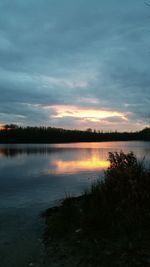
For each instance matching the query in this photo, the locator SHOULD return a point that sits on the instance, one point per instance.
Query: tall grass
(115, 209)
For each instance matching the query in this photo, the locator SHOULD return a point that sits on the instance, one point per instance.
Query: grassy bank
(109, 225)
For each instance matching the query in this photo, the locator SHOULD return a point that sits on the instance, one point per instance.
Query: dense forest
(15, 134)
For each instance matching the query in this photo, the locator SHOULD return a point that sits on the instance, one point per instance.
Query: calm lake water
(35, 177)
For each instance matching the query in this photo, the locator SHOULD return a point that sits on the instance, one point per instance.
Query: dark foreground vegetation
(109, 225)
(15, 134)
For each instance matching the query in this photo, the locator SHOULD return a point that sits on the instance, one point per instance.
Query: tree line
(16, 134)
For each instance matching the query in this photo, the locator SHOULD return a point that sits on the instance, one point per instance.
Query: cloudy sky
(75, 63)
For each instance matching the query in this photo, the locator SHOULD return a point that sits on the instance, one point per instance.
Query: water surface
(35, 177)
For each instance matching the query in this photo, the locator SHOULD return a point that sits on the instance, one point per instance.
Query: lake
(35, 177)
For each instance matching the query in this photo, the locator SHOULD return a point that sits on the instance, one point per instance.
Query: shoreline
(71, 142)
(106, 226)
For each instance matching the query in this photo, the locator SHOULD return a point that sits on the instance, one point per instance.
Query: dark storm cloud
(83, 53)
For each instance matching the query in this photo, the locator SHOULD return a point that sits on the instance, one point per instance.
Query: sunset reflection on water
(72, 158)
(90, 163)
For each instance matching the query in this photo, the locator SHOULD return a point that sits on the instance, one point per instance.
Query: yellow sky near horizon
(84, 113)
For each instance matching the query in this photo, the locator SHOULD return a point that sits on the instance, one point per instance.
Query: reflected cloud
(93, 163)
(14, 152)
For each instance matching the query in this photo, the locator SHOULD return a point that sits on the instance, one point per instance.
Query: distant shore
(12, 134)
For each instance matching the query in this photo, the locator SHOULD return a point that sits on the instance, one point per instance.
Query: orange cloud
(93, 115)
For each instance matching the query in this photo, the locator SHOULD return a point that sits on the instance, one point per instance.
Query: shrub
(113, 216)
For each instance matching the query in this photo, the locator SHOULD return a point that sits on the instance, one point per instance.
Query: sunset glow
(94, 115)
(93, 163)
(89, 68)
(2, 128)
